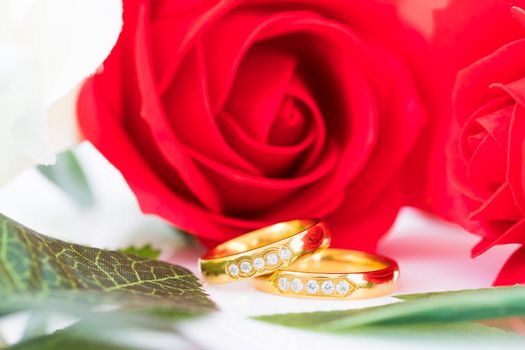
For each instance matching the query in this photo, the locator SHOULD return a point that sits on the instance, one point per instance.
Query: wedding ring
(334, 274)
(263, 251)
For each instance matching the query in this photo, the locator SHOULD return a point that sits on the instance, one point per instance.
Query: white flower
(47, 47)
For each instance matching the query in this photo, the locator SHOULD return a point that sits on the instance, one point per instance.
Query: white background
(432, 256)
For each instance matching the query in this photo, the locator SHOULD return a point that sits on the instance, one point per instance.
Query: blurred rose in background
(46, 48)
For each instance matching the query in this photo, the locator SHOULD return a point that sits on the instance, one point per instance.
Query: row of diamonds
(269, 260)
(313, 286)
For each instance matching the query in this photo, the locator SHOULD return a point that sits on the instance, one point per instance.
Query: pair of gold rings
(292, 258)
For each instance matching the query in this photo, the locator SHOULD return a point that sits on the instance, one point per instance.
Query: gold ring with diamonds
(334, 274)
(263, 251)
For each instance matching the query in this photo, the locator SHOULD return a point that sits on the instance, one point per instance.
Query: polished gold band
(263, 251)
(334, 273)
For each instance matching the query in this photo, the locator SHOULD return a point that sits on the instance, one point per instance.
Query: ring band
(263, 251)
(335, 274)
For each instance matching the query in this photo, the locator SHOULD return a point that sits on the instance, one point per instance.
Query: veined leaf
(444, 307)
(68, 175)
(36, 266)
(146, 251)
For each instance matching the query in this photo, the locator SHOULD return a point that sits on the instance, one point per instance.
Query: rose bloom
(486, 155)
(225, 116)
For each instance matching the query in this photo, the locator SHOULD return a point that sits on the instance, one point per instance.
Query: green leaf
(48, 277)
(435, 308)
(68, 175)
(457, 330)
(95, 327)
(34, 266)
(417, 296)
(60, 340)
(108, 332)
(146, 251)
(36, 324)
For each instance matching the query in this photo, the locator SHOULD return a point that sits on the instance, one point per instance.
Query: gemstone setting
(272, 259)
(312, 287)
(297, 285)
(342, 287)
(264, 261)
(233, 269)
(285, 253)
(283, 284)
(246, 266)
(327, 287)
(258, 263)
(322, 287)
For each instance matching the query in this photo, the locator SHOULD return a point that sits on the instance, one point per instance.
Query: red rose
(224, 116)
(487, 153)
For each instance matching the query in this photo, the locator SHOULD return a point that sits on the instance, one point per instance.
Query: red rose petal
(493, 119)
(473, 142)
(325, 165)
(282, 161)
(459, 207)
(406, 116)
(363, 230)
(292, 123)
(519, 14)
(513, 271)
(485, 180)
(466, 30)
(497, 123)
(274, 161)
(176, 27)
(240, 189)
(457, 159)
(500, 206)
(357, 14)
(300, 91)
(516, 88)
(222, 68)
(514, 234)
(516, 162)
(187, 107)
(473, 83)
(153, 114)
(152, 193)
(260, 89)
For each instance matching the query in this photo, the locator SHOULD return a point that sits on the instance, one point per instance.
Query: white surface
(432, 256)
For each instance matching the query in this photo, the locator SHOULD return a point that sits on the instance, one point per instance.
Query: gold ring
(263, 251)
(335, 274)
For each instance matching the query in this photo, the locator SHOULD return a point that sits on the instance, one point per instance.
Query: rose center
(290, 124)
